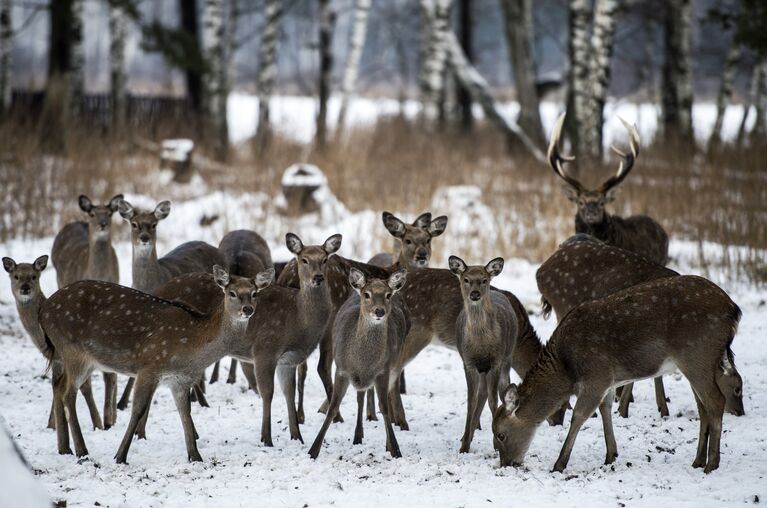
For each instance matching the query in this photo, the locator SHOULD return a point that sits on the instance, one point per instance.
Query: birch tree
(518, 16)
(6, 46)
(76, 74)
(267, 68)
(578, 52)
(435, 19)
(353, 57)
(677, 74)
(725, 92)
(216, 83)
(118, 28)
(327, 22)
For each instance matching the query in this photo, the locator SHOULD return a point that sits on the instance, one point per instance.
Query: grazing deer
(683, 322)
(246, 253)
(83, 251)
(25, 286)
(486, 329)
(92, 324)
(638, 233)
(368, 332)
(150, 272)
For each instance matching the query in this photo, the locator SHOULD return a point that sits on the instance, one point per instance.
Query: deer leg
(125, 398)
(371, 403)
(339, 391)
(199, 391)
(481, 399)
(249, 371)
(660, 396)
(287, 377)
(87, 390)
(492, 382)
(232, 378)
(62, 430)
(711, 401)
(402, 388)
(358, 431)
(56, 372)
(700, 455)
(214, 373)
(265, 375)
(141, 429)
(472, 398)
(183, 402)
(584, 408)
(301, 382)
(384, 388)
(325, 369)
(605, 409)
(142, 398)
(627, 396)
(69, 395)
(394, 405)
(110, 399)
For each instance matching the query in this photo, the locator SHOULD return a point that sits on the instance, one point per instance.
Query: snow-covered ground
(655, 454)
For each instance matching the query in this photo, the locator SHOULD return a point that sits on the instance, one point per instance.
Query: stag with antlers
(638, 233)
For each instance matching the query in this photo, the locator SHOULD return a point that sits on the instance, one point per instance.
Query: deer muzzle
(475, 296)
(248, 311)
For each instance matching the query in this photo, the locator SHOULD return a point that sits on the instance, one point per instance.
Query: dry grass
(396, 165)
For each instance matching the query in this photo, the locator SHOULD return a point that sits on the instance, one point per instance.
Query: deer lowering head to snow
(639, 233)
(413, 241)
(92, 324)
(368, 333)
(684, 322)
(486, 330)
(25, 286)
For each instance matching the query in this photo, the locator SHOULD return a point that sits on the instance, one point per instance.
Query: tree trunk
(6, 46)
(351, 71)
(725, 93)
(118, 27)
(480, 93)
(577, 98)
(677, 74)
(194, 86)
(466, 22)
(434, 50)
(76, 71)
(747, 105)
(760, 95)
(518, 16)
(267, 69)
(216, 79)
(601, 50)
(327, 22)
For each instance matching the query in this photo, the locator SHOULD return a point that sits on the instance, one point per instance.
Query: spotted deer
(92, 324)
(368, 333)
(486, 329)
(639, 233)
(684, 322)
(149, 272)
(584, 269)
(84, 251)
(246, 253)
(25, 286)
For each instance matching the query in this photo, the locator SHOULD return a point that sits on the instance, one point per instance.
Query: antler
(628, 158)
(556, 159)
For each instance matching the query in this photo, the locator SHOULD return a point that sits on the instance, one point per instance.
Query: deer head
(240, 293)
(312, 260)
(25, 278)
(591, 203)
(415, 238)
(731, 385)
(376, 294)
(144, 224)
(512, 434)
(99, 216)
(475, 280)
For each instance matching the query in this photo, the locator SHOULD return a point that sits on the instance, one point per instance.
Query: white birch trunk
(577, 108)
(118, 27)
(267, 67)
(76, 74)
(725, 92)
(435, 47)
(471, 80)
(351, 71)
(216, 82)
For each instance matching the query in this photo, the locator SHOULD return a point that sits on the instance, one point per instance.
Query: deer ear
(40, 263)
(162, 210)
(393, 225)
(456, 265)
(494, 267)
(264, 279)
(221, 276)
(126, 210)
(114, 203)
(397, 280)
(85, 203)
(9, 265)
(294, 243)
(423, 220)
(438, 226)
(332, 244)
(571, 194)
(726, 365)
(511, 398)
(356, 279)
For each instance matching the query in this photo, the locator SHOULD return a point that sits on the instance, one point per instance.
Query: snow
(18, 487)
(177, 149)
(655, 453)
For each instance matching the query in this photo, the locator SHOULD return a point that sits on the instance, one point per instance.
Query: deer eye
(16, 277)
(232, 294)
(34, 277)
(466, 280)
(484, 281)
(388, 296)
(154, 226)
(428, 240)
(501, 437)
(408, 242)
(304, 261)
(134, 225)
(367, 296)
(254, 294)
(324, 261)
(737, 391)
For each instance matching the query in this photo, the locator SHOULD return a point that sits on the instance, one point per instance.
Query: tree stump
(299, 183)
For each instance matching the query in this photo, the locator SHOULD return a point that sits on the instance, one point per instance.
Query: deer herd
(622, 317)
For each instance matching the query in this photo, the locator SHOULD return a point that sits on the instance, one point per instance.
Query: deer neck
(479, 316)
(545, 388)
(370, 332)
(98, 255)
(313, 303)
(29, 313)
(146, 268)
(602, 230)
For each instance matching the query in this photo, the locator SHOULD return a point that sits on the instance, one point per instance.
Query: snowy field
(655, 454)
